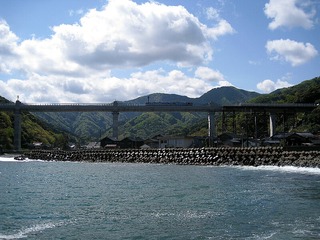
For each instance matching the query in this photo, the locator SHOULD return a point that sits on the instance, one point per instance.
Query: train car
(169, 103)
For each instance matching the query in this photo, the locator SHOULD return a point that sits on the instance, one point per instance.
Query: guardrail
(124, 107)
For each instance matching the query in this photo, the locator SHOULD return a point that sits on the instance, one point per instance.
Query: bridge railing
(272, 105)
(82, 104)
(279, 104)
(68, 104)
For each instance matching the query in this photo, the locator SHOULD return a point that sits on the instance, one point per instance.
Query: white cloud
(123, 34)
(289, 13)
(75, 63)
(209, 74)
(268, 85)
(8, 45)
(75, 12)
(40, 88)
(212, 13)
(8, 39)
(222, 28)
(296, 53)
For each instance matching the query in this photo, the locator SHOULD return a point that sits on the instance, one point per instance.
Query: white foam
(23, 233)
(11, 159)
(8, 159)
(293, 169)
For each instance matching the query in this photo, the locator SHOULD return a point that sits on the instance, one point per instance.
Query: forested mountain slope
(91, 126)
(33, 130)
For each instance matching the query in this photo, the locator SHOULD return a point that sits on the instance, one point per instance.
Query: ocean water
(76, 200)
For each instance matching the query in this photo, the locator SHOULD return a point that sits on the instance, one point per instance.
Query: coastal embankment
(275, 156)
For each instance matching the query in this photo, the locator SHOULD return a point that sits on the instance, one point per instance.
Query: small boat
(21, 158)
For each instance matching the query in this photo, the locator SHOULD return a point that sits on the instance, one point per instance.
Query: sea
(81, 200)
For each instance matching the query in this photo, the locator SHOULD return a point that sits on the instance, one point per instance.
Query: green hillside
(226, 95)
(192, 124)
(48, 127)
(150, 124)
(306, 92)
(91, 126)
(33, 130)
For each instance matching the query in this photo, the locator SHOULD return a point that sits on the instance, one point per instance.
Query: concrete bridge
(116, 107)
(269, 110)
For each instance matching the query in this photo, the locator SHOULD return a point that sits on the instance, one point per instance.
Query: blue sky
(101, 51)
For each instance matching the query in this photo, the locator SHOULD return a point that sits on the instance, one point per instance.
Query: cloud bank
(268, 85)
(296, 53)
(290, 13)
(75, 63)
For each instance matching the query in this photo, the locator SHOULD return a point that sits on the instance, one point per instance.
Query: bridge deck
(112, 107)
(263, 107)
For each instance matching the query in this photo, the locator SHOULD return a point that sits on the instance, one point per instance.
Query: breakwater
(257, 156)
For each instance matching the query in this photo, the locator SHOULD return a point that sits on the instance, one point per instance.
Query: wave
(8, 159)
(183, 215)
(291, 169)
(23, 233)
(11, 159)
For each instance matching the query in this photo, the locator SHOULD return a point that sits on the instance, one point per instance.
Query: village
(303, 140)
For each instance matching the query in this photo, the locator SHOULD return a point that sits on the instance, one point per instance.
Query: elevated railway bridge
(116, 108)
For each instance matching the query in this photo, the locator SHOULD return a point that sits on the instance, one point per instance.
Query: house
(108, 143)
(130, 143)
(199, 142)
(175, 142)
(37, 145)
(230, 139)
(92, 145)
(127, 142)
(153, 142)
(251, 143)
(292, 139)
(145, 146)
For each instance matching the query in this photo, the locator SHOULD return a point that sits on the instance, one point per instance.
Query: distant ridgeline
(53, 128)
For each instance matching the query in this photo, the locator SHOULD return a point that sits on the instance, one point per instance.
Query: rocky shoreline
(276, 156)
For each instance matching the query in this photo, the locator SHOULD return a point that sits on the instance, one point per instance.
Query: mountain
(180, 123)
(226, 95)
(91, 126)
(220, 96)
(160, 97)
(33, 130)
(306, 92)
(148, 124)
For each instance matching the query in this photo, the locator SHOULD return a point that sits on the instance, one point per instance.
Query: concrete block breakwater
(276, 156)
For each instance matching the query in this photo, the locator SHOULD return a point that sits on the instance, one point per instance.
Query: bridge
(116, 107)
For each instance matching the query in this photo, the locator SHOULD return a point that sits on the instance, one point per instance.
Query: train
(169, 103)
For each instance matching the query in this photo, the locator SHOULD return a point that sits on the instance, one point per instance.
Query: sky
(96, 51)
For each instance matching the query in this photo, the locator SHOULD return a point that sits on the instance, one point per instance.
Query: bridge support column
(255, 126)
(234, 125)
(211, 128)
(17, 127)
(272, 122)
(115, 125)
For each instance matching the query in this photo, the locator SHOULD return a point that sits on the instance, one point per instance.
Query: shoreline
(10, 155)
(258, 156)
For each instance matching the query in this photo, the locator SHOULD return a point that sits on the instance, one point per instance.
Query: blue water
(67, 200)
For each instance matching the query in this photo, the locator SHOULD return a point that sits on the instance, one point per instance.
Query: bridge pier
(234, 125)
(17, 127)
(211, 128)
(272, 122)
(115, 125)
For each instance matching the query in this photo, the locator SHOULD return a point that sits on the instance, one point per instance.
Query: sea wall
(192, 156)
